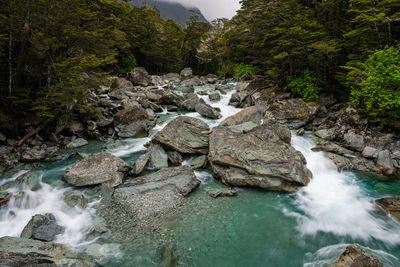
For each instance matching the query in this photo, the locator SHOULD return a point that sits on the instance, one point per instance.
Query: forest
(53, 51)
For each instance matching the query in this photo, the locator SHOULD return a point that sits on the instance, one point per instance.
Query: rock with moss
(29, 252)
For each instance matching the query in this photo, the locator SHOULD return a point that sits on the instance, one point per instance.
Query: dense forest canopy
(53, 51)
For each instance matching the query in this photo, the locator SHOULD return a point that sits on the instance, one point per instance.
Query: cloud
(213, 9)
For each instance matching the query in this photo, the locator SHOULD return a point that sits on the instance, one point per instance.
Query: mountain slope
(171, 10)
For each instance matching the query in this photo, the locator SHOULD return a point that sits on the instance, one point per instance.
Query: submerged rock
(184, 134)
(355, 255)
(32, 179)
(390, 204)
(132, 122)
(42, 227)
(221, 193)
(96, 169)
(154, 194)
(16, 251)
(74, 198)
(168, 257)
(261, 158)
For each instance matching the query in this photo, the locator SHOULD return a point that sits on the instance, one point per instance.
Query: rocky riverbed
(139, 184)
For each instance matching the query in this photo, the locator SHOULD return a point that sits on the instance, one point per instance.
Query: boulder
(207, 111)
(223, 88)
(354, 141)
(34, 154)
(171, 77)
(211, 78)
(168, 257)
(214, 97)
(327, 146)
(327, 134)
(156, 80)
(192, 137)
(385, 162)
(158, 157)
(139, 76)
(32, 179)
(355, 256)
(132, 122)
(77, 143)
(300, 132)
(186, 73)
(195, 81)
(253, 114)
(190, 102)
(261, 158)
(128, 102)
(175, 158)
(42, 227)
(29, 252)
(74, 198)
(390, 205)
(294, 112)
(76, 127)
(171, 98)
(141, 162)
(96, 169)
(199, 162)
(352, 163)
(185, 89)
(237, 99)
(370, 152)
(221, 193)
(155, 194)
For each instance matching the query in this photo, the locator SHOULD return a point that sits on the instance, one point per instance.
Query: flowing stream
(311, 227)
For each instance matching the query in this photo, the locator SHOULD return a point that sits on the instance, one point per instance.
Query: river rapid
(310, 227)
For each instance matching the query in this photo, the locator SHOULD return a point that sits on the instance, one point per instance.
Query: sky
(213, 9)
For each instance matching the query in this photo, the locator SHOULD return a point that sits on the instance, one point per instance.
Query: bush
(242, 69)
(376, 84)
(305, 84)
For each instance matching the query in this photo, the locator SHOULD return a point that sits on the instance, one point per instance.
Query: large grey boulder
(186, 73)
(171, 77)
(96, 169)
(42, 227)
(78, 142)
(119, 87)
(261, 158)
(155, 194)
(327, 134)
(253, 114)
(170, 98)
(139, 76)
(195, 81)
(370, 152)
(29, 252)
(354, 141)
(352, 163)
(207, 111)
(385, 162)
(355, 256)
(184, 134)
(36, 153)
(132, 122)
(190, 102)
(294, 112)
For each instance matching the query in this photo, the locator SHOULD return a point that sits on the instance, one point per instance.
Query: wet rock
(185, 89)
(32, 179)
(158, 157)
(171, 98)
(99, 251)
(96, 169)
(199, 162)
(327, 146)
(195, 81)
(202, 92)
(221, 193)
(355, 255)
(237, 99)
(139, 76)
(294, 112)
(74, 198)
(42, 227)
(223, 88)
(190, 102)
(192, 137)
(352, 164)
(4, 198)
(262, 158)
(300, 132)
(253, 114)
(99, 229)
(207, 111)
(391, 205)
(77, 143)
(168, 257)
(327, 134)
(132, 122)
(141, 162)
(29, 252)
(175, 158)
(155, 194)
(354, 141)
(130, 103)
(211, 78)
(370, 152)
(186, 73)
(34, 154)
(385, 161)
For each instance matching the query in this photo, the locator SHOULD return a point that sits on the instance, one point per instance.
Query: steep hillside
(175, 11)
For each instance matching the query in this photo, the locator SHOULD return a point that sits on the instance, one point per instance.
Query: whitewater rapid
(335, 203)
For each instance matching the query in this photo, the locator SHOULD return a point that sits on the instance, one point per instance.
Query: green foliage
(305, 84)
(241, 69)
(96, 113)
(127, 64)
(376, 83)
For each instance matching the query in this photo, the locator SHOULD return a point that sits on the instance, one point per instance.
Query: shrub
(305, 84)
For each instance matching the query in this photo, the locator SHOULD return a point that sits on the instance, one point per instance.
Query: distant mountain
(175, 11)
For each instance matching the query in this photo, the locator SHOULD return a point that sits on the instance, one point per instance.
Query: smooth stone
(370, 152)
(42, 227)
(354, 141)
(199, 162)
(221, 193)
